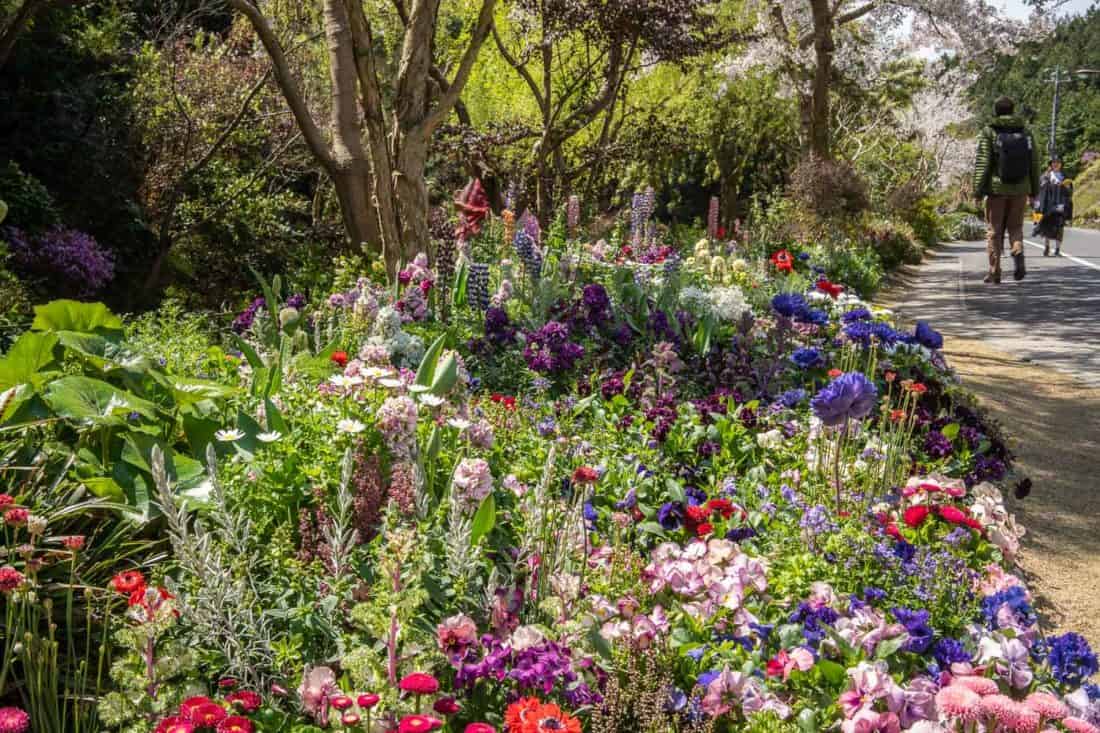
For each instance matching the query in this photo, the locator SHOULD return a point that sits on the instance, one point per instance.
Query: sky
(1020, 8)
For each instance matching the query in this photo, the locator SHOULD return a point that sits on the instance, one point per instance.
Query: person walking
(1055, 206)
(1006, 174)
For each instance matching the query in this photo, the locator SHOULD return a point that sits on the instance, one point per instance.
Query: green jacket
(986, 180)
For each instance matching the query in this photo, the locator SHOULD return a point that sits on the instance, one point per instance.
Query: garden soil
(1052, 422)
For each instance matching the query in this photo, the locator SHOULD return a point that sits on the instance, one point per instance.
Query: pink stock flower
(317, 684)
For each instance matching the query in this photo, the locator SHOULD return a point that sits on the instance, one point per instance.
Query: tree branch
(447, 100)
(520, 68)
(807, 40)
(287, 82)
(12, 30)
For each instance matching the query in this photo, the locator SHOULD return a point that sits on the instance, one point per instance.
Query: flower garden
(536, 483)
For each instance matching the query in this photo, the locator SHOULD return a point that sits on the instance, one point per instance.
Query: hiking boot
(1021, 270)
(991, 278)
(1058, 252)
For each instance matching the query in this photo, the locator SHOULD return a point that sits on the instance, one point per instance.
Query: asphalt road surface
(1051, 318)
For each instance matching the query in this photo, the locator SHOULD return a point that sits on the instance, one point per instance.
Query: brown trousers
(1004, 214)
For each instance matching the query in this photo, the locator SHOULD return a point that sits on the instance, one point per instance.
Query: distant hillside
(1086, 197)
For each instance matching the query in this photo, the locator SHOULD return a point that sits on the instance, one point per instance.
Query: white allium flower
(728, 303)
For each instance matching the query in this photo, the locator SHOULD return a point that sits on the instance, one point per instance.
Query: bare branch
(447, 100)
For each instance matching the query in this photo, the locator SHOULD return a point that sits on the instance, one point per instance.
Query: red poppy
(419, 683)
(339, 358)
(915, 515)
(128, 582)
(235, 724)
(585, 475)
(783, 261)
(897, 415)
(831, 289)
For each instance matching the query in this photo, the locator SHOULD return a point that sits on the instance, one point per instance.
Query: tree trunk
(352, 185)
(411, 196)
(823, 70)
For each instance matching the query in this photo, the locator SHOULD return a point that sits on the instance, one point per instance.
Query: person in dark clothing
(1006, 174)
(1055, 206)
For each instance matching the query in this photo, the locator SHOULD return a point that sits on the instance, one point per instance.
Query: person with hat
(1054, 206)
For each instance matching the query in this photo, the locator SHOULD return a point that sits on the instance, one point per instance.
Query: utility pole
(1051, 144)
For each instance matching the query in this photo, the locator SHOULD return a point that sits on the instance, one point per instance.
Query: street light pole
(1051, 145)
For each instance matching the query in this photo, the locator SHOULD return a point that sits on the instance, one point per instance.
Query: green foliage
(106, 406)
(1086, 194)
(28, 205)
(895, 242)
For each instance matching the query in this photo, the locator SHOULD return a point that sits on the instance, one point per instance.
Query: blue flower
(873, 595)
(677, 700)
(916, 623)
(707, 677)
(629, 501)
(849, 396)
(950, 651)
(740, 534)
(546, 426)
(859, 332)
(590, 513)
(1071, 659)
(791, 397)
(856, 314)
(671, 515)
(788, 304)
(1007, 608)
(815, 316)
(928, 337)
(697, 653)
(807, 357)
(803, 256)
(695, 496)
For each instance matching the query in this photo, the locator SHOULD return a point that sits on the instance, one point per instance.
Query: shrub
(829, 188)
(963, 226)
(30, 205)
(895, 242)
(68, 260)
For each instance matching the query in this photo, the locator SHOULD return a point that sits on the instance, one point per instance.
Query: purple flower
(928, 337)
(916, 623)
(807, 358)
(789, 305)
(670, 515)
(937, 445)
(850, 396)
(63, 255)
(243, 322)
(856, 314)
(1071, 659)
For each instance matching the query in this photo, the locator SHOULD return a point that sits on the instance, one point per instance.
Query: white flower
(350, 426)
(431, 400)
(458, 422)
(269, 437)
(229, 436)
(391, 383)
(728, 304)
(345, 382)
(377, 372)
(525, 637)
(771, 439)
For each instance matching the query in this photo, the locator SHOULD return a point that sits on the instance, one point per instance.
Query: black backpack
(1013, 155)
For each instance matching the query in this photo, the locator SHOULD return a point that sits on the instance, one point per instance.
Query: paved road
(1052, 318)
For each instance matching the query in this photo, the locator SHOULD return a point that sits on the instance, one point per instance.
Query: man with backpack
(1007, 175)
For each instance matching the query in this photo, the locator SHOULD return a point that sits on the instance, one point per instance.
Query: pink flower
(419, 683)
(446, 706)
(456, 634)
(997, 706)
(869, 721)
(472, 481)
(174, 724)
(14, 720)
(1020, 719)
(1076, 725)
(723, 693)
(784, 663)
(980, 685)
(479, 728)
(367, 701)
(73, 542)
(10, 579)
(16, 517)
(350, 719)
(340, 702)
(246, 700)
(960, 703)
(317, 684)
(1047, 705)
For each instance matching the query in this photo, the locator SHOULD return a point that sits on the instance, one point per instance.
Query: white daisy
(391, 383)
(345, 382)
(377, 372)
(458, 422)
(431, 400)
(350, 426)
(269, 437)
(229, 436)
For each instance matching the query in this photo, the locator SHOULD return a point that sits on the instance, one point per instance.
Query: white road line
(1071, 258)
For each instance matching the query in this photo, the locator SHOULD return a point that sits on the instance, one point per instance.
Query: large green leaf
(105, 487)
(93, 401)
(484, 520)
(426, 371)
(72, 315)
(28, 355)
(190, 391)
(446, 376)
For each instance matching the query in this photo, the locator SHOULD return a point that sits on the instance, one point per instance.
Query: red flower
(952, 514)
(235, 724)
(175, 724)
(446, 706)
(518, 713)
(893, 531)
(508, 401)
(721, 232)
(724, 507)
(188, 706)
(6, 500)
(917, 387)
(843, 514)
(128, 582)
(418, 724)
(831, 289)
(208, 715)
(782, 261)
(339, 358)
(16, 517)
(479, 728)
(419, 683)
(915, 515)
(973, 523)
(340, 702)
(368, 701)
(10, 579)
(704, 529)
(834, 373)
(246, 700)
(890, 376)
(777, 664)
(897, 415)
(585, 475)
(697, 514)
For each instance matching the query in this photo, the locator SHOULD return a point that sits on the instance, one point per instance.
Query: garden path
(1052, 418)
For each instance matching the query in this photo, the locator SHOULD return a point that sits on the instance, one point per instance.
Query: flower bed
(599, 495)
